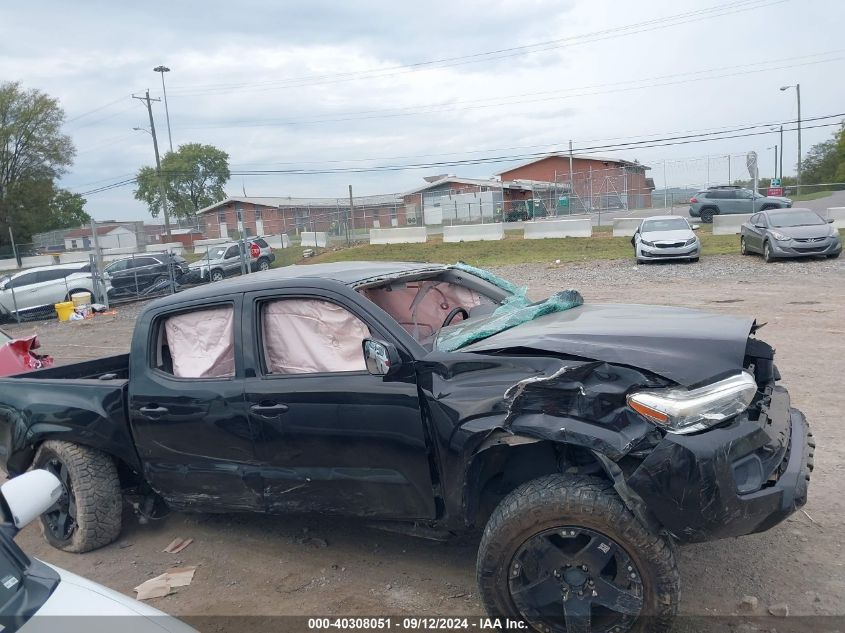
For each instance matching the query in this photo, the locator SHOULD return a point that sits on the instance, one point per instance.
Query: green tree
(33, 153)
(194, 177)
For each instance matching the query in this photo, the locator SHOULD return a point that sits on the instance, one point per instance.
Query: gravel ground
(303, 565)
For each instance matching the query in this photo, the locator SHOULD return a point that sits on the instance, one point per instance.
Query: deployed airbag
(202, 343)
(303, 336)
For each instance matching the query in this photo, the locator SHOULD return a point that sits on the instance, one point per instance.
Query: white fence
(410, 235)
(474, 232)
(837, 214)
(316, 240)
(625, 227)
(729, 224)
(541, 229)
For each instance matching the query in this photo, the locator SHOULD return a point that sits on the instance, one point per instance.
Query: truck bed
(83, 402)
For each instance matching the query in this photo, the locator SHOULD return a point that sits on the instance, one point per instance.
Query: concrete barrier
(124, 250)
(177, 248)
(278, 241)
(540, 229)
(409, 235)
(625, 227)
(201, 246)
(75, 257)
(41, 260)
(837, 214)
(474, 232)
(729, 224)
(312, 239)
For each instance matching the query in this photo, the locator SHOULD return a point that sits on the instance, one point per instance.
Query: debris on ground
(177, 545)
(779, 610)
(748, 603)
(164, 584)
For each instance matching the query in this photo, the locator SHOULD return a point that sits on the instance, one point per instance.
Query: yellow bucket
(64, 310)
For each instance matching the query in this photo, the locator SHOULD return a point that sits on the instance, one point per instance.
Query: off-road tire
(707, 214)
(767, 252)
(589, 502)
(95, 488)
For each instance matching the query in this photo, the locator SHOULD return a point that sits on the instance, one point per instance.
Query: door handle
(269, 410)
(153, 411)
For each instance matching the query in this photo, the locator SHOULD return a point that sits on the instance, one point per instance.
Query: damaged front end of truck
(678, 408)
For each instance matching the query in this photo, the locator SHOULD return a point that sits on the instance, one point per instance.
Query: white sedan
(36, 597)
(665, 237)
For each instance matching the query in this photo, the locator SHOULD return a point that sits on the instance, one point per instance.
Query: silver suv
(224, 260)
(729, 200)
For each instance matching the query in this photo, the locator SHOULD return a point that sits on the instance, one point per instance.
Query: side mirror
(830, 221)
(30, 495)
(695, 227)
(382, 358)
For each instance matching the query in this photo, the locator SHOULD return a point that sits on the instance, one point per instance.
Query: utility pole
(350, 220)
(729, 168)
(780, 167)
(798, 179)
(665, 187)
(162, 189)
(571, 182)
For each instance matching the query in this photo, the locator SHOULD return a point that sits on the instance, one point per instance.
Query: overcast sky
(368, 98)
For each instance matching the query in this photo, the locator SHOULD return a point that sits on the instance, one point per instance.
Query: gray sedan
(792, 232)
(664, 237)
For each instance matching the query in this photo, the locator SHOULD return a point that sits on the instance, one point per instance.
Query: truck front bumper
(739, 479)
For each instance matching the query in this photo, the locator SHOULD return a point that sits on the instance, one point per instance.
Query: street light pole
(162, 70)
(798, 95)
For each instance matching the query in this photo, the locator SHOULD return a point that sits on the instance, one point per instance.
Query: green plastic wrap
(514, 311)
(486, 275)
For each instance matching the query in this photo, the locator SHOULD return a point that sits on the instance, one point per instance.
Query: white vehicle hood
(72, 607)
(681, 235)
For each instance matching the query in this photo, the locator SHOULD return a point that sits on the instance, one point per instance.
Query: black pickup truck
(584, 440)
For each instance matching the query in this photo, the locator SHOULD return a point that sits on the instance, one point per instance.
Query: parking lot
(271, 565)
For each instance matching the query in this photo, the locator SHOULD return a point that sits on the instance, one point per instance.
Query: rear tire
(88, 515)
(707, 215)
(621, 558)
(263, 264)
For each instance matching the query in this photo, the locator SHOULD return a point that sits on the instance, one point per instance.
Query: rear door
(331, 437)
(187, 408)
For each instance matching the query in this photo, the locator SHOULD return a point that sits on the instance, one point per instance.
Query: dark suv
(142, 274)
(729, 200)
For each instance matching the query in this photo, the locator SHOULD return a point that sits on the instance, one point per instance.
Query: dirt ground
(268, 565)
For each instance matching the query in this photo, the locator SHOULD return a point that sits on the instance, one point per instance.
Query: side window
(23, 280)
(261, 243)
(309, 336)
(114, 267)
(51, 275)
(197, 344)
(762, 220)
(231, 252)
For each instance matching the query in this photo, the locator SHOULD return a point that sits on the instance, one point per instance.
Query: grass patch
(515, 250)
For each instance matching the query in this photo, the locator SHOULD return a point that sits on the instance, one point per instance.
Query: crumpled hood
(683, 345)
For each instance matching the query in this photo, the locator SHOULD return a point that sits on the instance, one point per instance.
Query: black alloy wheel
(572, 579)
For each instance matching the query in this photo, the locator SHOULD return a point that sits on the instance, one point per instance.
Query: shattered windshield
(514, 310)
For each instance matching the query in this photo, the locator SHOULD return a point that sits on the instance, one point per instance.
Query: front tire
(565, 550)
(767, 253)
(217, 275)
(88, 514)
(743, 247)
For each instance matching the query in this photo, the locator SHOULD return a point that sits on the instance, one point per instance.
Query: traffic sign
(774, 191)
(775, 182)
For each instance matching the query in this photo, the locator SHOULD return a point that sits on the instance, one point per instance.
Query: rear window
(261, 243)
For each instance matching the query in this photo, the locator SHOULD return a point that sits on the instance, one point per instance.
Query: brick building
(592, 181)
(274, 216)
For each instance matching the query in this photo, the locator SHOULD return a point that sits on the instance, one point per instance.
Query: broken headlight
(689, 410)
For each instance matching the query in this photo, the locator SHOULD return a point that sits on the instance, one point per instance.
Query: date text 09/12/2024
(417, 624)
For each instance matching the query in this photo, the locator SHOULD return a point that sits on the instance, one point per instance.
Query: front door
(187, 409)
(332, 438)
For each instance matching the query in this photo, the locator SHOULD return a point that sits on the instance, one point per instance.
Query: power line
(688, 77)
(643, 144)
(629, 29)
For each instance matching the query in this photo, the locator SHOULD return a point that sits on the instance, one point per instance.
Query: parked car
(35, 290)
(224, 260)
(663, 237)
(17, 355)
(585, 440)
(140, 274)
(729, 200)
(37, 596)
(792, 232)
